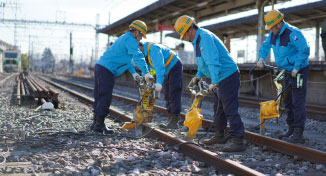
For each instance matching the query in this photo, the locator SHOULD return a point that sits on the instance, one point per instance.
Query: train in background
(11, 61)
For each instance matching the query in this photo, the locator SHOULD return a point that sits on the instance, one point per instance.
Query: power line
(15, 21)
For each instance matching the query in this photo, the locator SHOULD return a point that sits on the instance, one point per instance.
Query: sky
(35, 38)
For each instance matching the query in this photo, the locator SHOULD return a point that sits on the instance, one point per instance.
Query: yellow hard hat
(140, 26)
(272, 18)
(182, 24)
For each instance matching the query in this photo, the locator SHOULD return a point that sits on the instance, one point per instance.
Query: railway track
(188, 148)
(5, 77)
(296, 151)
(313, 111)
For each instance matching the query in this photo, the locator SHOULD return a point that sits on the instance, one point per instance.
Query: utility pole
(108, 34)
(29, 46)
(92, 57)
(261, 27)
(15, 27)
(71, 64)
(317, 41)
(96, 35)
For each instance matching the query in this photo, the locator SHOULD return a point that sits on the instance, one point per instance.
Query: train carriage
(11, 61)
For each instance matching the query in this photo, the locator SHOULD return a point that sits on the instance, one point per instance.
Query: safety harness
(149, 58)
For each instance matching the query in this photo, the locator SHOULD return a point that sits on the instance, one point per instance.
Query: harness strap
(149, 58)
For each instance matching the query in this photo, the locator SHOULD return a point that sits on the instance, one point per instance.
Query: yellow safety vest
(149, 58)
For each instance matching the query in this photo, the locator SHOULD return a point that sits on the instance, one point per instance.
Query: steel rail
(22, 88)
(300, 152)
(46, 91)
(18, 91)
(245, 100)
(198, 153)
(6, 78)
(254, 102)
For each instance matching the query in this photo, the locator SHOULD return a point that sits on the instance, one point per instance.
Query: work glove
(294, 73)
(158, 87)
(260, 63)
(213, 88)
(147, 76)
(136, 76)
(195, 80)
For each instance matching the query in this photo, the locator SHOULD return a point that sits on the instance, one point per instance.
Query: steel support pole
(317, 42)
(261, 27)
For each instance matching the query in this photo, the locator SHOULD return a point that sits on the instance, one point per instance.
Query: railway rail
(313, 111)
(5, 78)
(188, 148)
(297, 151)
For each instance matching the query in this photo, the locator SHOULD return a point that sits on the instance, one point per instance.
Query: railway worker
(168, 69)
(291, 53)
(114, 62)
(215, 62)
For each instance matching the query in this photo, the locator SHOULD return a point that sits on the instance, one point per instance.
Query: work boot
(100, 126)
(297, 136)
(172, 123)
(236, 145)
(168, 121)
(218, 138)
(287, 134)
(94, 121)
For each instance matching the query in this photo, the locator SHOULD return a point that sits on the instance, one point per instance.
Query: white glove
(294, 73)
(213, 87)
(147, 76)
(135, 76)
(260, 63)
(158, 87)
(195, 80)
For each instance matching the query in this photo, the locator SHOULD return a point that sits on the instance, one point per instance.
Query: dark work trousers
(173, 89)
(227, 105)
(103, 87)
(296, 99)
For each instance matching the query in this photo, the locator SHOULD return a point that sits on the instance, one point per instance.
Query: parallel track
(190, 149)
(284, 147)
(314, 111)
(6, 78)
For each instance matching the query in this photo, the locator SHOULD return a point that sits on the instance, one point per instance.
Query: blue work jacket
(159, 55)
(290, 48)
(212, 57)
(118, 58)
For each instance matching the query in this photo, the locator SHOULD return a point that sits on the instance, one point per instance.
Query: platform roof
(4, 45)
(165, 12)
(302, 16)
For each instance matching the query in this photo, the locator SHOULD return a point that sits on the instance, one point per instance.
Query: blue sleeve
(157, 58)
(131, 69)
(211, 57)
(199, 73)
(265, 48)
(138, 56)
(298, 40)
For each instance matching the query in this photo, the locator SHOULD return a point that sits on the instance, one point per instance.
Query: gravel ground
(268, 162)
(4, 75)
(57, 142)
